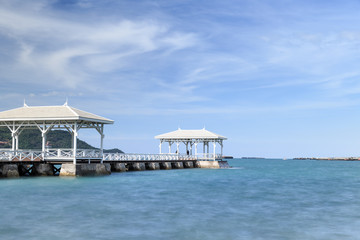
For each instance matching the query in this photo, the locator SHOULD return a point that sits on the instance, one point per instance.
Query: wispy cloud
(57, 51)
(178, 60)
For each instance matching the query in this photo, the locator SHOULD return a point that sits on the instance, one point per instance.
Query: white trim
(181, 134)
(41, 113)
(56, 119)
(68, 107)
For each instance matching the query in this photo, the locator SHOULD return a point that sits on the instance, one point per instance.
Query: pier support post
(118, 167)
(212, 164)
(152, 166)
(42, 169)
(137, 166)
(93, 169)
(188, 164)
(197, 164)
(68, 169)
(165, 165)
(177, 165)
(10, 171)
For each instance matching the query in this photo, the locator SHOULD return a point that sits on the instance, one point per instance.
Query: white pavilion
(191, 139)
(46, 118)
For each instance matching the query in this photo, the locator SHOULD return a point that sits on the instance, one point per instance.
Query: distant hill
(31, 139)
(113, 150)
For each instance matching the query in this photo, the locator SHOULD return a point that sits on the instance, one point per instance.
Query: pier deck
(54, 162)
(94, 155)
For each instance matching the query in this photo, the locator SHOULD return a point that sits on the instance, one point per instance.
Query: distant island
(331, 159)
(31, 139)
(252, 158)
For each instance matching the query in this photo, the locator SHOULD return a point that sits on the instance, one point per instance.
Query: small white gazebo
(46, 118)
(192, 138)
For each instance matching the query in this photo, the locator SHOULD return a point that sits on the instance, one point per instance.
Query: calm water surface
(257, 199)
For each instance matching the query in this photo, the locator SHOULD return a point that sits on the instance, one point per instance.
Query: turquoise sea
(256, 199)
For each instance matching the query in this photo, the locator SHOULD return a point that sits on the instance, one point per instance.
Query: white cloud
(56, 51)
(142, 57)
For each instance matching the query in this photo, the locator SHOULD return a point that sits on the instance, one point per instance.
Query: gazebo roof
(45, 113)
(190, 134)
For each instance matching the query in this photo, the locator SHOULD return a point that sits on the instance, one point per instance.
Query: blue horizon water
(256, 199)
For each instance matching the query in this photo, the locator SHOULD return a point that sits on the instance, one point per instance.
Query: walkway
(67, 155)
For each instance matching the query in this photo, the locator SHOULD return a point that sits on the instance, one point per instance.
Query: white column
(75, 133)
(196, 148)
(17, 141)
(102, 143)
(191, 144)
(170, 147)
(214, 144)
(187, 148)
(43, 140)
(177, 147)
(43, 135)
(13, 145)
(207, 146)
(72, 139)
(101, 148)
(102, 136)
(160, 147)
(204, 148)
(221, 144)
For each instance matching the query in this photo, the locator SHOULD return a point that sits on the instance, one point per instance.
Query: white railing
(89, 153)
(20, 155)
(208, 156)
(66, 154)
(48, 154)
(59, 153)
(146, 157)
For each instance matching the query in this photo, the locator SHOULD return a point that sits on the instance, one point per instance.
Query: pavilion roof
(190, 134)
(44, 113)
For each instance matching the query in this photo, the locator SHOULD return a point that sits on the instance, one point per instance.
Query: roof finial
(204, 127)
(25, 105)
(179, 127)
(66, 102)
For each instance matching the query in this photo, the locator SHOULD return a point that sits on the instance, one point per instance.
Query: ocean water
(256, 199)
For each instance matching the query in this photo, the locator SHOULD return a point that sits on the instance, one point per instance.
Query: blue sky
(278, 78)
